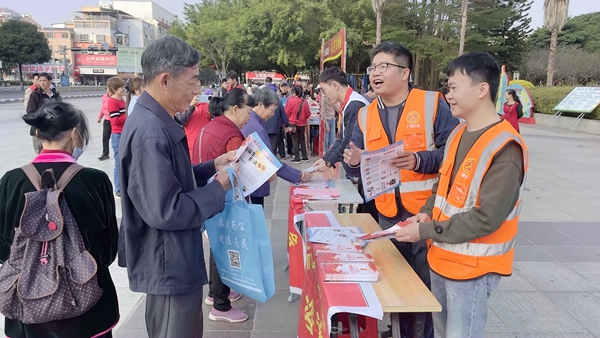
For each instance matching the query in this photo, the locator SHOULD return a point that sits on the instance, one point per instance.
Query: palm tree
(555, 18)
(378, 9)
(463, 26)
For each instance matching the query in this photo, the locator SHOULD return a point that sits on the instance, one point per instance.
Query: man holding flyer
(422, 121)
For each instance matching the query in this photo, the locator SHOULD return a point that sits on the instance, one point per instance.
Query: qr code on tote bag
(234, 259)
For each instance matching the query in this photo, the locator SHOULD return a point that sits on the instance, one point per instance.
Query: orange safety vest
(489, 254)
(415, 129)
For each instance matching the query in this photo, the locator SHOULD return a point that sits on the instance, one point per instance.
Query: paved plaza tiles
(555, 287)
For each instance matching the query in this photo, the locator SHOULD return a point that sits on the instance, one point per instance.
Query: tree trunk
(463, 26)
(21, 76)
(551, 56)
(223, 68)
(417, 69)
(378, 31)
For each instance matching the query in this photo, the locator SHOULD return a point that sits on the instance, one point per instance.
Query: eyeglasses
(382, 67)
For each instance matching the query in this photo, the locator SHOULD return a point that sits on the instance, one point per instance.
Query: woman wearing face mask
(63, 132)
(218, 137)
(265, 104)
(136, 88)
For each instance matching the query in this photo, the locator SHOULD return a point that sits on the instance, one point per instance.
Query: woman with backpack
(74, 241)
(513, 109)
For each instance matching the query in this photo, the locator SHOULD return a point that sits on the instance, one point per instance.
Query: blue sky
(46, 12)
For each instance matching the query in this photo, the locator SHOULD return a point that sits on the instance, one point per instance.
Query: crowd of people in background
(167, 144)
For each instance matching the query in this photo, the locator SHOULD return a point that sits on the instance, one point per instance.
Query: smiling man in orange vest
(471, 219)
(423, 121)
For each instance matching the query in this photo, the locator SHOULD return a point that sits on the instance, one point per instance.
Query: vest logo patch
(413, 117)
(468, 165)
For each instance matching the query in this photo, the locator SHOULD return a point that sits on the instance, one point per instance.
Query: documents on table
(349, 272)
(377, 174)
(347, 236)
(256, 163)
(383, 234)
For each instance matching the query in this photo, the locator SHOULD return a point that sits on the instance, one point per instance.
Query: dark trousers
(217, 289)
(416, 256)
(106, 131)
(290, 147)
(258, 200)
(175, 315)
(282, 136)
(299, 139)
(275, 145)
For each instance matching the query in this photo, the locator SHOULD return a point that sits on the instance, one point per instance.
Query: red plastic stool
(367, 326)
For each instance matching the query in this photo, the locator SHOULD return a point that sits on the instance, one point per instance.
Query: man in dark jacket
(42, 95)
(160, 240)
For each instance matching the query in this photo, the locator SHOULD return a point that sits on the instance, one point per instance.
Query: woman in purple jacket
(265, 104)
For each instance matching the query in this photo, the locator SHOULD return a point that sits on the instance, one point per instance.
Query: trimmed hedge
(546, 98)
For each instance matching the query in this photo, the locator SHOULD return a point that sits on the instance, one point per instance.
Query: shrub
(528, 85)
(546, 98)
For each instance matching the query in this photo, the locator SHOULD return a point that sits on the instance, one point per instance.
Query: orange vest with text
(415, 129)
(492, 253)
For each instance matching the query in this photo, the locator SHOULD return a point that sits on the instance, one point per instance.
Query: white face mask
(77, 152)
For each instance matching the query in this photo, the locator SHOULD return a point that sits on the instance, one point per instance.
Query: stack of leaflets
(347, 236)
(349, 272)
(337, 256)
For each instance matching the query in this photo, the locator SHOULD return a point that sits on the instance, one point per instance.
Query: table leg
(353, 325)
(395, 325)
(419, 329)
(334, 326)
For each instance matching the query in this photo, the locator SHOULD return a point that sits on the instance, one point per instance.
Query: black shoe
(295, 161)
(103, 157)
(386, 334)
(305, 160)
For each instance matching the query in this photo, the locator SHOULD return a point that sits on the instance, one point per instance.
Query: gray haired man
(160, 240)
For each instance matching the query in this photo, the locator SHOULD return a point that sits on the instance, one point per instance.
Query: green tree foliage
(20, 42)
(499, 27)
(581, 32)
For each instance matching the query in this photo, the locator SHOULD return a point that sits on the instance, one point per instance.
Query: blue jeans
(114, 139)
(329, 136)
(464, 305)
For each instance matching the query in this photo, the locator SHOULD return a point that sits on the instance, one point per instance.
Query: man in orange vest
(423, 121)
(471, 219)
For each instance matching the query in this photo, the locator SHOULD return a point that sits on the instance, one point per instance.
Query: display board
(580, 100)
(524, 96)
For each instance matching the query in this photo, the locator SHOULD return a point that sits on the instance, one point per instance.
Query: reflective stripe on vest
(413, 186)
(478, 249)
(492, 253)
(416, 129)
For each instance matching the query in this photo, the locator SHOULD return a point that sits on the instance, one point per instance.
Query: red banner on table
(320, 300)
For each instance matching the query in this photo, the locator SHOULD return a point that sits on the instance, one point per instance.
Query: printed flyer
(378, 175)
(256, 163)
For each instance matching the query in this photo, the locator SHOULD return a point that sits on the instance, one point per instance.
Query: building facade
(154, 14)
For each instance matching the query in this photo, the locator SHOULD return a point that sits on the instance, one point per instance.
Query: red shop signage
(95, 60)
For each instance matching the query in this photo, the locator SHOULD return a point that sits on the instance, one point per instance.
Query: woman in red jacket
(218, 137)
(513, 109)
(298, 112)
